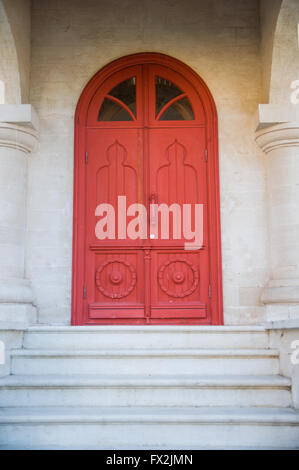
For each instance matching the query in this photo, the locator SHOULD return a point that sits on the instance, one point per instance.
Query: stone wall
(9, 67)
(18, 14)
(269, 11)
(285, 53)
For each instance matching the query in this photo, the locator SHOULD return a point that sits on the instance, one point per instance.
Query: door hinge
(206, 154)
(84, 292)
(86, 157)
(210, 291)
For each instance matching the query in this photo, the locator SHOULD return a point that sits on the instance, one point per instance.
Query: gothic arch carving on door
(141, 123)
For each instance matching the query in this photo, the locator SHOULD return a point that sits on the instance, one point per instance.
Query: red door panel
(114, 280)
(115, 168)
(118, 288)
(178, 176)
(178, 171)
(181, 292)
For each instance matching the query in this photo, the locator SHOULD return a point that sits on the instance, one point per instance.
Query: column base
(281, 298)
(16, 303)
(12, 314)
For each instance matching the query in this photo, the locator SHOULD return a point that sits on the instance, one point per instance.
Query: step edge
(200, 415)
(147, 329)
(138, 385)
(145, 352)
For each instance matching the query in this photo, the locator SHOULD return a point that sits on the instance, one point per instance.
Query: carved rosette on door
(178, 278)
(116, 278)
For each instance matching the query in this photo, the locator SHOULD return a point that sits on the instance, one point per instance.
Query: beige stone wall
(9, 70)
(18, 14)
(285, 63)
(71, 40)
(15, 40)
(269, 11)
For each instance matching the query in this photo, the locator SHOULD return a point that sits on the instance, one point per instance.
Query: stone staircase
(139, 387)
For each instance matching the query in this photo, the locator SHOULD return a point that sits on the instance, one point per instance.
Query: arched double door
(146, 141)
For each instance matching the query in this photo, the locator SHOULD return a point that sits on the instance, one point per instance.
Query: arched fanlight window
(120, 103)
(172, 104)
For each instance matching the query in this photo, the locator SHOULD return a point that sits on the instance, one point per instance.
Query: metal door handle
(153, 210)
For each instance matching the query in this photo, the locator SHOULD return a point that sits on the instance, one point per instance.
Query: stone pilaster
(18, 137)
(280, 141)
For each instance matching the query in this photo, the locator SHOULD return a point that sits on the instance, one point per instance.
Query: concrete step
(179, 391)
(149, 361)
(136, 337)
(150, 427)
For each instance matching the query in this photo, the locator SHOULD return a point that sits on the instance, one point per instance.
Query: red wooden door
(145, 140)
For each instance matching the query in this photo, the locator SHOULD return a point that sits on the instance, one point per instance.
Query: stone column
(18, 137)
(280, 141)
